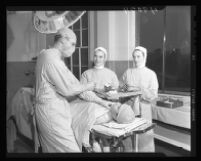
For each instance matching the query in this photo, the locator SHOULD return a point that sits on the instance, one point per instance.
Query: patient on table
(121, 113)
(91, 109)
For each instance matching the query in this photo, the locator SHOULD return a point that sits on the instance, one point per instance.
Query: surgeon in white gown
(92, 109)
(54, 84)
(144, 78)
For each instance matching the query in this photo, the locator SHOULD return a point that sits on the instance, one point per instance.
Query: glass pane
(83, 69)
(177, 58)
(78, 38)
(84, 37)
(67, 62)
(76, 72)
(85, 21)
(84, 57)
(76, 57)
(153, 41)
(76, 26)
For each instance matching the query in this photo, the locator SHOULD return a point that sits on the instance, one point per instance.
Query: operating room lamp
(51, 21)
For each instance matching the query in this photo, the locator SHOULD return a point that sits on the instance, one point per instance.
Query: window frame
(164, 89)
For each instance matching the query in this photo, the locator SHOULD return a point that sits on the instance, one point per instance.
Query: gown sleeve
(115, 81)
(88, 95)
(84, 78)
(63, 80)
(150, 93)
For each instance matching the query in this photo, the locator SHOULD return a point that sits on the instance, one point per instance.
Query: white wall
(114, 30)
(23, 41)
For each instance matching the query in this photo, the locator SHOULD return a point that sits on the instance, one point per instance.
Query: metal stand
(115, 143)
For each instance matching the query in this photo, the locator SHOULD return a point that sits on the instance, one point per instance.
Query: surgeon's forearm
(90, 96)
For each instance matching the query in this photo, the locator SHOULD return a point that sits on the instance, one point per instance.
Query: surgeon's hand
(107, 104)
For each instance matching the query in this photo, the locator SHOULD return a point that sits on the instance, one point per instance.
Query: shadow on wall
(23, 44)
(119, 67)
(23, 41)
(19, 74)
(10, 36)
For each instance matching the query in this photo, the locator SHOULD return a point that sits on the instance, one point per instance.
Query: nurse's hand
(133, 88)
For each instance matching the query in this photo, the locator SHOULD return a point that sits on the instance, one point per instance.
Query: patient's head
(122, 113)
(125, 114)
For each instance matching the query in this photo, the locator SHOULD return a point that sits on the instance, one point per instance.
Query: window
(78, 62)
(167, 36)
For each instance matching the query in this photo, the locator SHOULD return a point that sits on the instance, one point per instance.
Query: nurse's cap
(66, 32)
(101, 49)
(125, 114)
(144, 50)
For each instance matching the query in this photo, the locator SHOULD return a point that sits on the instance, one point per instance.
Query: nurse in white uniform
(144, 78)
(91, 109)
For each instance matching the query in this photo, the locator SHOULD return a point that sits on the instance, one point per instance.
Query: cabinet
(173, 124)
(173, 135)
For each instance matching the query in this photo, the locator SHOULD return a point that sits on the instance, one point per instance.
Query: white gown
(85, 112)
(54, 82)
(101, 77)
(147, 80)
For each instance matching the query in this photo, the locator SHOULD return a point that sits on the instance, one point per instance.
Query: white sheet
(180, 116)
(21, 109)
(115, 129)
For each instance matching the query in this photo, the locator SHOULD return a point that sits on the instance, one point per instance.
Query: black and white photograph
(99, 81)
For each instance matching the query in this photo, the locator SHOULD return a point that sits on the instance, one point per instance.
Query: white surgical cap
(144, 50)
(102, 49)
(67, 32)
